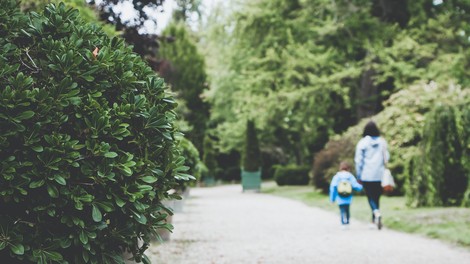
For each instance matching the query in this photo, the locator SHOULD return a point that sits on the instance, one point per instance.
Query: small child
(344, 176)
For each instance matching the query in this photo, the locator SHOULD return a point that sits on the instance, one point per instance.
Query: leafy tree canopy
(306, 70)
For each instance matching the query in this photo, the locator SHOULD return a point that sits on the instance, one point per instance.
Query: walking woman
(370, 159)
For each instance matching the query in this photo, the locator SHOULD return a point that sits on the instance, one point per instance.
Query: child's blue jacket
(343, 175)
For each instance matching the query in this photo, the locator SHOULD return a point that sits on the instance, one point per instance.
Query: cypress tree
(209, 157)
(252, 153)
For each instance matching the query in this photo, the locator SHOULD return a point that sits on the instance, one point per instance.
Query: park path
(223, 225)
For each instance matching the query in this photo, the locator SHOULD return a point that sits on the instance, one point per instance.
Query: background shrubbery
(192, 161)
(291, 175)
(87, 145)
(438, 173)
(326, 162)
(402, 124)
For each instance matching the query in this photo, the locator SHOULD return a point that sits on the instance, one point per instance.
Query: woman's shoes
(378, 219)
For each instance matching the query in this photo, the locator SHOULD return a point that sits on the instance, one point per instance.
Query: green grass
(450, 224)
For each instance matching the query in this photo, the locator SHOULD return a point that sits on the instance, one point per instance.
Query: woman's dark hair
(371, 129)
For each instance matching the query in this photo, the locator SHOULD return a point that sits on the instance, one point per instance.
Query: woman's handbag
(388, 184)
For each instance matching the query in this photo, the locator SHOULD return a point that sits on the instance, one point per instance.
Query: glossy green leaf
(140, 218)
(38, 148)
(52, 255)
(60, 180)
(52, 191)
(83, 237)
(110, 154)
(36, 184)
(96, 213)
(25, 115)
(119, 201)
(17, 248)
(149, 179)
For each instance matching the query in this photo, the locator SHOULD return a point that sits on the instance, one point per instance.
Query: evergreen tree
(184, 68)
(209, 158)
(251, 154)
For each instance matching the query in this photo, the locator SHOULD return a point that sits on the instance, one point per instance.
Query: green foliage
(439, 176)
(209, 158)
(401, 124)
(87, 13)
(291, 175)
(191, 157)
(184, 69)
(307, 64)
(252, 153)
(466, 152)
(87, 145)
(228, 166)
(326, 162)
(269, 158)
(304, 77)
(185, 9)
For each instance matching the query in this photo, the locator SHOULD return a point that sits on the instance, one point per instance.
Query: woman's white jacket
(370, 158)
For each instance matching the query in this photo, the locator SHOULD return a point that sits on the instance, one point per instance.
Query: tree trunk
(368, 95)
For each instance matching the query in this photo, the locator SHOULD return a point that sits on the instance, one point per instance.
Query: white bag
(388, 184)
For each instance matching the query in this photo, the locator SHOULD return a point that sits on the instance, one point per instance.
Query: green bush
(326, 162)
(401, 124)
(229, 174)
(191, 157)
(291, 175)
(437, 175)
(252, 153)
(87, 147)
(269, 158)
(87, 12)
(228, 166)
(466, 152)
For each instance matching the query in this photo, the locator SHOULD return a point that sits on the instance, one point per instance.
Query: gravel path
(224, 225)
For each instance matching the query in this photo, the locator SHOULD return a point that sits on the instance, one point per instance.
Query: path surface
(224, 225)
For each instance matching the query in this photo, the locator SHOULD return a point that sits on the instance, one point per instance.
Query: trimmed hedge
(87, 148)
(291, 175)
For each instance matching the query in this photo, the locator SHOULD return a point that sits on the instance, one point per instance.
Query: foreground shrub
(87, 147)
(291, 175)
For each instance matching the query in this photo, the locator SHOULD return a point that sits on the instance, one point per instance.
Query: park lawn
(450, 224)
